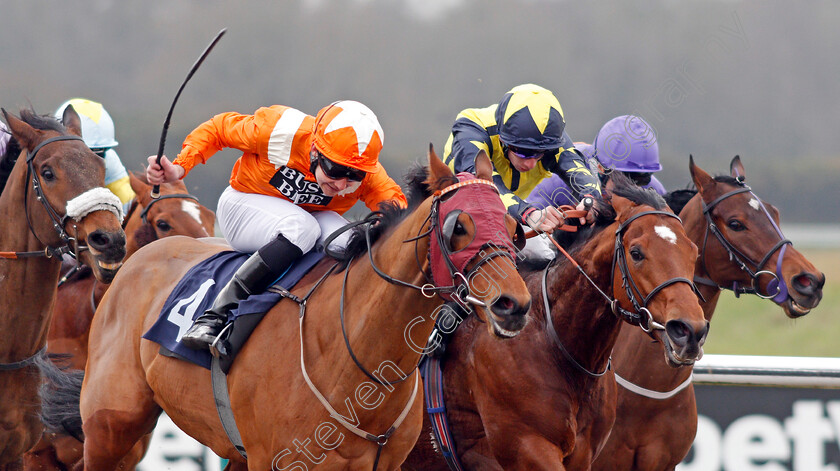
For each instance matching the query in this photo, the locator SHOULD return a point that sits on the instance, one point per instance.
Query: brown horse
(54, 202)
(175, 212)
(530, 402)
(280, 407)
(655, 426)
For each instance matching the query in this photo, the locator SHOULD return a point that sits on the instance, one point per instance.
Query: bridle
(777, 284)
(70, 244)
(639, 316)
(144, 213)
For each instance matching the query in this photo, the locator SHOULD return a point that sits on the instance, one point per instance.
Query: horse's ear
(699, 176)
(736, 168)
(439, 174)
(27, 136)
(483, 166)
(70, 119)
(621, 206)
(138, 184)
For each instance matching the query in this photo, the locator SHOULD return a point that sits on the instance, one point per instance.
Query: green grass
(752, 326)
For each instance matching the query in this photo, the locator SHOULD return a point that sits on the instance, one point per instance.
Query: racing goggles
(337, 171)
(526, 153)
(100, 151)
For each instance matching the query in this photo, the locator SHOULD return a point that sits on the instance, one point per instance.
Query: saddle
(195, 293)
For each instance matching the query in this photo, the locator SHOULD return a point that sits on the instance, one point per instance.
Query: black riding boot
(253, 277)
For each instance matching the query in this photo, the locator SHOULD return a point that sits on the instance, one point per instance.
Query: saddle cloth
(196, 292)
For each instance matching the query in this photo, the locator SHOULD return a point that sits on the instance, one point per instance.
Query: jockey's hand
(545, 220)
(589, 207)
(164, 172)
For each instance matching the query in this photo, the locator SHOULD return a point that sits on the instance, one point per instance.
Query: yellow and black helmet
(530, 117)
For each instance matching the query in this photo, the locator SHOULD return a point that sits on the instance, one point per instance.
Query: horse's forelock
(41, 122)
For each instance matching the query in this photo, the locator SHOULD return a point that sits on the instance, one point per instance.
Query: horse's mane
(677, 199)
(13, 149)
(416, 189)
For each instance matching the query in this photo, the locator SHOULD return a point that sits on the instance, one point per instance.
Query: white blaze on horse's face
(755, 204)
(191, 208)
(666, 233)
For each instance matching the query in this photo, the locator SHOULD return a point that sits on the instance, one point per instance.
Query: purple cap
(628, 143)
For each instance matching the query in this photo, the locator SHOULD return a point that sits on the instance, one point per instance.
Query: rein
(28, 361)
(777, 283)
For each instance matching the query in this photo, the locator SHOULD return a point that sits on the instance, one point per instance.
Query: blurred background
(715, 78)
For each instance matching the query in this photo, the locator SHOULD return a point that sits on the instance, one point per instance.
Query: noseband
(777, 284)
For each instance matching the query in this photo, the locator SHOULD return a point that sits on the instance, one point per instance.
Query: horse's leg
(117, 407)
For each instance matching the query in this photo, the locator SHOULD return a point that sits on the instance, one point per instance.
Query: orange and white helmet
(348, 133)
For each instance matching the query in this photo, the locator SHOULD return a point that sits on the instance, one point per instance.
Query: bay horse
(534, 402)
(286, 377)
(742, 249)
(53, 202)
(175, 212)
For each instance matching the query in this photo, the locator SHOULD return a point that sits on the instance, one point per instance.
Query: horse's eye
(735, 225)
(47, 174)
(636, 254)
(163, 225)
(459, 229)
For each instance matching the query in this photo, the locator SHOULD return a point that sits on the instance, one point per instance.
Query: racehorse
(741, 248)
(54, 202)
(528, 403)
(286, 378)
(175, 212)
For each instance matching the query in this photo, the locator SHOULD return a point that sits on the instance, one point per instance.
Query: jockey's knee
(302, 230)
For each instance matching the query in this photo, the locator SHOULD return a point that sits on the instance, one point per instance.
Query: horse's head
(653, 267)
(748, 248)
(175, 212)
(472, 246)
(67, 204)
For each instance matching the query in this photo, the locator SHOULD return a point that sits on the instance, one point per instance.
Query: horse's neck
(398, 317)
(28, 285)
(696, 228)
(581, 316)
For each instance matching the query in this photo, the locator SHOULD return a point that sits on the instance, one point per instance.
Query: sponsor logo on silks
(292, 184)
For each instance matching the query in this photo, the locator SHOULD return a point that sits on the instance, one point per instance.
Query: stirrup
(220, 348)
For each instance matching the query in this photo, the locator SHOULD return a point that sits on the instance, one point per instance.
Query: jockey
(625, 144)
(98, 134)
(296, 176)
(525, 137)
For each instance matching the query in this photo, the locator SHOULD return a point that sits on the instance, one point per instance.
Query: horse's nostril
(507, 306)
(103, 241)
(803, 281)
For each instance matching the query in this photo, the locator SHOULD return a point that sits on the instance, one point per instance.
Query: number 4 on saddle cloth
(195, 293)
